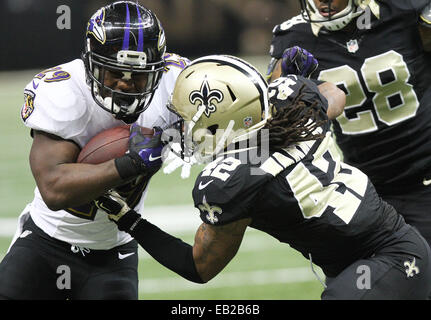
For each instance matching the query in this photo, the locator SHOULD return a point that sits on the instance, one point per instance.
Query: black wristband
(171, 252)
(129, 221)
(127, 167)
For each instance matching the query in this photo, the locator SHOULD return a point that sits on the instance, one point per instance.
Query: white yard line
(232, 279)
(179, 219)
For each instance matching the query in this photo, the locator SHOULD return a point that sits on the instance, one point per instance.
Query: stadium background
(31, 42)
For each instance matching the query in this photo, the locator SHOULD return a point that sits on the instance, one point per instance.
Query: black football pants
(401, 270)
(38, 267)
(415, 206)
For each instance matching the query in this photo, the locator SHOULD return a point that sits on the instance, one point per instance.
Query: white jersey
(59, 101)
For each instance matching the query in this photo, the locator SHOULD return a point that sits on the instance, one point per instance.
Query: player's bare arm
(276, 72)
(336, 99)
(215, 246)
(62, 182)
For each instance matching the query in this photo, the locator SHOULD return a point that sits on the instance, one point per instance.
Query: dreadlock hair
(294, 122)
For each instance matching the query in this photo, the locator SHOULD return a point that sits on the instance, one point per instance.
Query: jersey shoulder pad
(287, 25)
(175, 62)
(295, 31)
(157, 114)
(288, 88)
(226, 190)
(54, 101)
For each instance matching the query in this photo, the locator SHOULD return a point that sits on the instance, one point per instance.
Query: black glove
(118, 211)
(298, 61)
(144, 155)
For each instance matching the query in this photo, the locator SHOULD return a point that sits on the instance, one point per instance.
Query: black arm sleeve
(169, 251)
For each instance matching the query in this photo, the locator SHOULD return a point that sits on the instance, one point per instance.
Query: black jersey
(303, 195)
(385, 129)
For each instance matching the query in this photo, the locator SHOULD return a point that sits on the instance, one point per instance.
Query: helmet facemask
(125, 106)
(221, 100)
(125, 42)
(332, 22)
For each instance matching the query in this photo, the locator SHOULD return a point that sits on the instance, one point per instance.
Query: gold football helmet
(221, 100)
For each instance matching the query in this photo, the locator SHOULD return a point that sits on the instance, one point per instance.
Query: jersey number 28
(398, 90)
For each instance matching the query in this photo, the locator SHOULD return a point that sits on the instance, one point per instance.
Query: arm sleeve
(166, 249)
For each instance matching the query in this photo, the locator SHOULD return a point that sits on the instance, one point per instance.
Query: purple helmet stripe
(141, 31)
(127, 30)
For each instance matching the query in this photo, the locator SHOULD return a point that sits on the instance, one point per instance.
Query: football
(109, 144)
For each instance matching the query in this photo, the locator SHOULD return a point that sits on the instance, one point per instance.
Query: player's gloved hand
(174, 162)
(146, 151)
(296, 60)
(118, 210)
(143, 155)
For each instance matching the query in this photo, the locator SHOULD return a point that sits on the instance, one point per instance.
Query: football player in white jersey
(63, 248)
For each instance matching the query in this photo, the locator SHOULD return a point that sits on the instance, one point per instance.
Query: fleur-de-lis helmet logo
(206, 96)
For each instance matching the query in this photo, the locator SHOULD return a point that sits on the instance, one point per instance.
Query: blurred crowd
(240, 27)
(193, 27)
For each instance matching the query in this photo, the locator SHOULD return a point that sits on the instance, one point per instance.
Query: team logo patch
(96, 26)
(28, 106)
(206, 96)
(411, 268)
(212, 211)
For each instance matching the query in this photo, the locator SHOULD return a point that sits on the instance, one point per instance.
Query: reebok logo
(426, 182)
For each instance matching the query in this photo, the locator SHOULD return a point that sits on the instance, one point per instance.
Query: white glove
(174, 162)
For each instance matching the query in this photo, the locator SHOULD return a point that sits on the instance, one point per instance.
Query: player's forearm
(169, 251)
(74, 184)
(336, 99)
(62, 182)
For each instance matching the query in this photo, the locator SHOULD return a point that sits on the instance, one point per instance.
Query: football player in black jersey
(373, 51)
(300, 192)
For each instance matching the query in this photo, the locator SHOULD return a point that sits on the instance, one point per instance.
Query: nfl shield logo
(352, 46)
(248, 121)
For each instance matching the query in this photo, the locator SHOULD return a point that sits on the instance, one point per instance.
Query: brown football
(108, 144)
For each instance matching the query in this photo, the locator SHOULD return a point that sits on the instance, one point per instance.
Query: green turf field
(262, 269)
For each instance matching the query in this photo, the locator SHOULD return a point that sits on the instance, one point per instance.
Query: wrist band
(126, 167)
